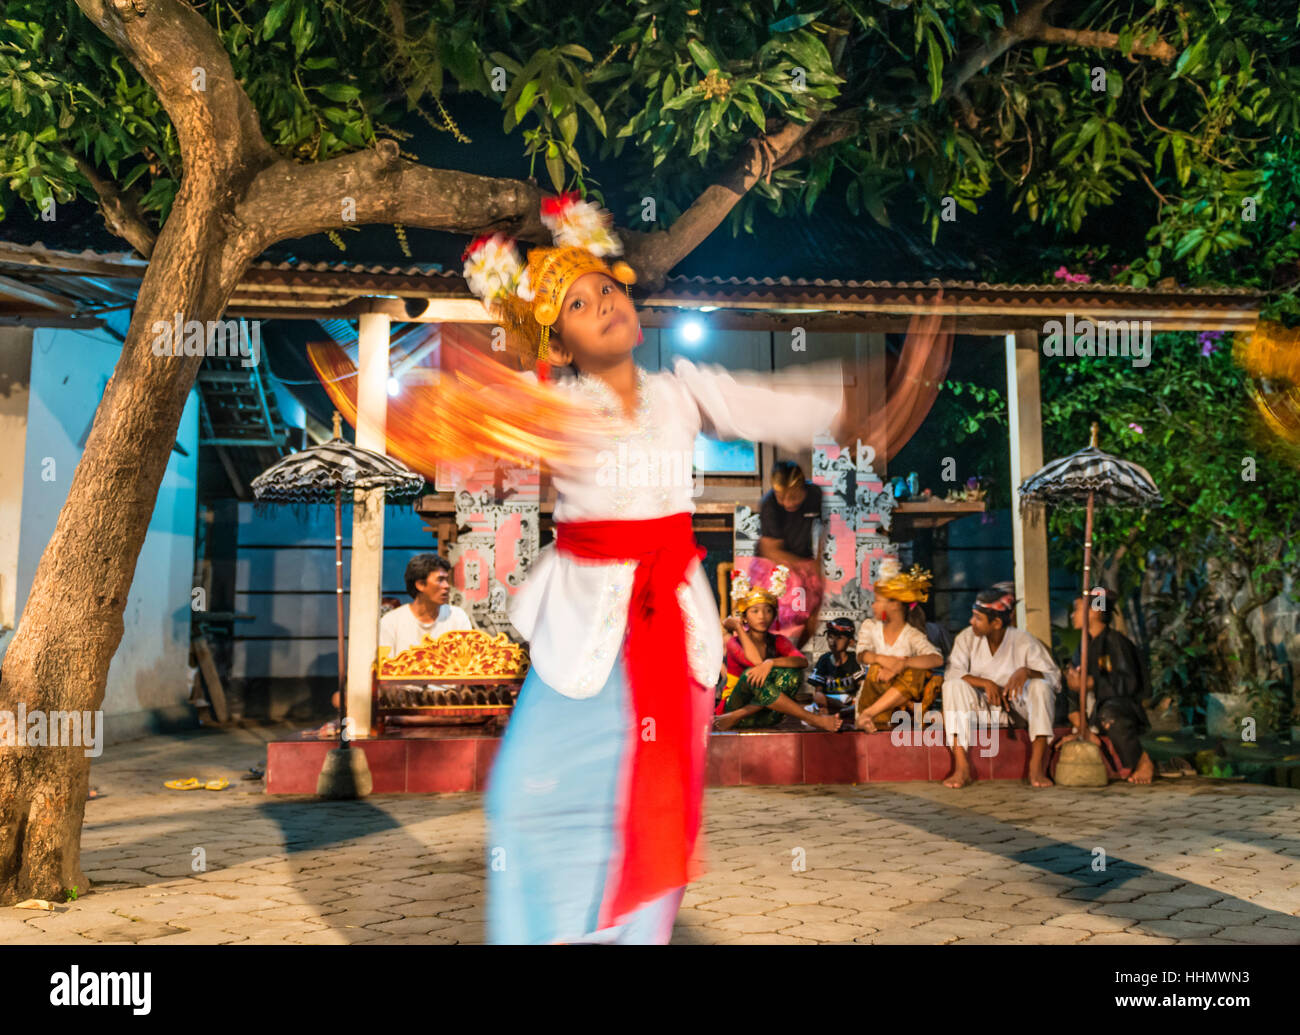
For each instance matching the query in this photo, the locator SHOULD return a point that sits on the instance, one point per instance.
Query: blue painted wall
(148, 674)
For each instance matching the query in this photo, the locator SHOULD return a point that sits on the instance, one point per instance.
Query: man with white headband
(994, 665)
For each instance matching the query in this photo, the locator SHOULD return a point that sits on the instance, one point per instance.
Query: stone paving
(1181, 861)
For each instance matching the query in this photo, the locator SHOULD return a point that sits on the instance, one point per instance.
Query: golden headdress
(1270, 353)
(745, 594)
(526, 299)
(911, 587)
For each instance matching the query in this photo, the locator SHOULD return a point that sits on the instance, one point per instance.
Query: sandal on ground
(190, 784)
(1169, 770)
(1184, 767)
(219, 784)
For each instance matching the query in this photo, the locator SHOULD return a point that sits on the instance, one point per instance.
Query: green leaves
(525, 100)
(701, 56)
(934, 66)
(794, 21)
(745, 99)
(1195, 433)
(341, 92)
(1191, 59)
(1182, 159)
(671, 97)
(275, 18)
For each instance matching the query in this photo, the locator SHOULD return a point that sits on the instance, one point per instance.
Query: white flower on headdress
(580, 224)
(889, 568)
(524, 289)
(492, 267)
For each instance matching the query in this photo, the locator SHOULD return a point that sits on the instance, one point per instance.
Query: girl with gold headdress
(764, 669)
(894, 648)
(593, 806)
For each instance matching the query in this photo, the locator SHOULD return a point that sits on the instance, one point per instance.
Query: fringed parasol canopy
(1070, 480)
(315, 474)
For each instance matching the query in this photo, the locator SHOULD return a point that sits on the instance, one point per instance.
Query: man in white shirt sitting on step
(428, 581)
(995, 666)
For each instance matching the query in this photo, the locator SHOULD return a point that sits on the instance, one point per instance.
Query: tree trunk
(72, 622)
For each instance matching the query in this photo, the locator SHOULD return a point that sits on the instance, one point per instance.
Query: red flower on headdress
(555, 207)
(475, 245)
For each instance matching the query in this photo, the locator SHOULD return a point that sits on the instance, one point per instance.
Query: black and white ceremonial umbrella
(1089, 477)
(322, 474)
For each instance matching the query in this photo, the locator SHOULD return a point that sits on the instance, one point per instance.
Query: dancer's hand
(731, 623)
(757, 675)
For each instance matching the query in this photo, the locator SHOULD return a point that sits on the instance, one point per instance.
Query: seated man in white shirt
(994, 665)
(428, 581)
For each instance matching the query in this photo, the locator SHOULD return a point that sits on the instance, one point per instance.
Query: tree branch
(1028, 27)
(1024, 26)
(1147, 181)
(181, 56)
(652, 255)
(827, 131)
(288, 200)
(120, 214)
(1104, 41)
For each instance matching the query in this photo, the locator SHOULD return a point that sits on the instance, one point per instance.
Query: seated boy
(837, 675)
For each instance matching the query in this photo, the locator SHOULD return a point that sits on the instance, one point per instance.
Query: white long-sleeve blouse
(572, 612)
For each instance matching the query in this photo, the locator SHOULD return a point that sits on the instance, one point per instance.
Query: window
(714, 457)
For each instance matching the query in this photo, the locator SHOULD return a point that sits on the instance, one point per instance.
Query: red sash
(663, 812)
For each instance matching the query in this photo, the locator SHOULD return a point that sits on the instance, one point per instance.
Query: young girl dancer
(593, 806)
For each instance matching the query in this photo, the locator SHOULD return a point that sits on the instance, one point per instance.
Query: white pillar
(1024, 408)
(367, 521)
(16, 372)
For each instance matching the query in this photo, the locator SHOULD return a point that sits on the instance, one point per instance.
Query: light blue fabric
(551, 813)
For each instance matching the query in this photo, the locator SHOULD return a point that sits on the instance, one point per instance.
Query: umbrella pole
(1084, 732)
(338, 597)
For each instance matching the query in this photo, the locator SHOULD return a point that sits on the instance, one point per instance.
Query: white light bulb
(393, 386)
(692, 331)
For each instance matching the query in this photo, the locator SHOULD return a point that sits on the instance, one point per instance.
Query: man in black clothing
(786, 516)
(1117, 684)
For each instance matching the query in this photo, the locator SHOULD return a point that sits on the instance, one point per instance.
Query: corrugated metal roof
(416, 269)
(94, 282)
(436, 270)
(965, 285)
